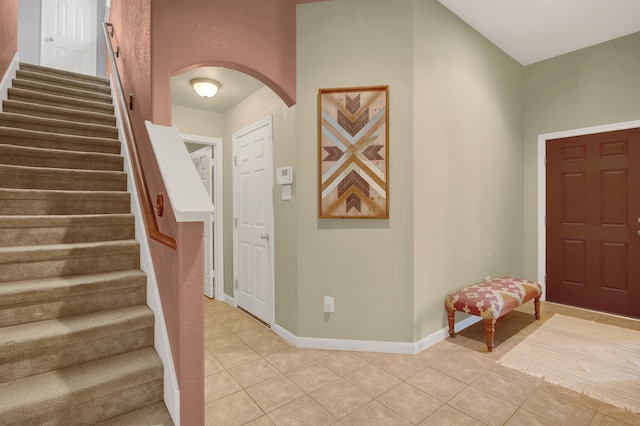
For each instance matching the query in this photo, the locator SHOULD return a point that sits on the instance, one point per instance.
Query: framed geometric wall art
(353, 152)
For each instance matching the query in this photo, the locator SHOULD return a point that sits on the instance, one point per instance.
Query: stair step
(32, 338)
(35, 97)
(52, 125)
(21, 263)
(86, 393)
(69, 92)
(56, 158)
(43, 139)
(59, 229)
(42, 202)
(27, 177)
(61, 73)
(154, 414)
(58, 113)
(44, 299)
(65, 81)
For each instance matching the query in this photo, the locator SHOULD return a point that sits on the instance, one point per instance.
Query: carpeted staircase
(76, 335)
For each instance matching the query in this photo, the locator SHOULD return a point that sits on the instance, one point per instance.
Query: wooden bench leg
(451, 314)
(489, 328)
(536, 304)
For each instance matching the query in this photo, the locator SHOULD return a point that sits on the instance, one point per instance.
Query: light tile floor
(255, 377)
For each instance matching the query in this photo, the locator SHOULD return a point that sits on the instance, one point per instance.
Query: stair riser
(61, 91)
(62, 356)
(104, 408)
(72, 305)
(88, 130)
(58, 101)
(63, 206)
(66, 145)
(63, 234)
(62, 81)
(59, 115)
(17, 271)
(16, 156)
(39, 181)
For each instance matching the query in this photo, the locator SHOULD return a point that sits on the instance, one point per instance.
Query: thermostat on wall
(284, 175)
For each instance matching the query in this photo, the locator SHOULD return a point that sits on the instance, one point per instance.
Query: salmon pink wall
(257, 37)
(8, 33)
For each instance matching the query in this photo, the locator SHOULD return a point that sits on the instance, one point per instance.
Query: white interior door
(69, 35)
(202, 160)
(253, 216)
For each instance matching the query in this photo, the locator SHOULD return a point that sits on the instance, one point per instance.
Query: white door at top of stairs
(253, 219)
(69, 35)
(202, 160)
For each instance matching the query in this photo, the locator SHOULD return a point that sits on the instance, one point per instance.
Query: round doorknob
(49, 38)
(266, 236)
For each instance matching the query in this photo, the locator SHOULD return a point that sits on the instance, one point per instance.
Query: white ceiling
(533, 30)
(234, 87)
(527, 30)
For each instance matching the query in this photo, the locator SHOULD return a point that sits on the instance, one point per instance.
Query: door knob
(638, 233)
(266, 236)
(49, 38)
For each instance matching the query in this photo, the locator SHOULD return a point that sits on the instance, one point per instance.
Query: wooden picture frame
(353, 153)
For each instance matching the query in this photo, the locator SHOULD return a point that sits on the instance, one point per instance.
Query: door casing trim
(542, 182)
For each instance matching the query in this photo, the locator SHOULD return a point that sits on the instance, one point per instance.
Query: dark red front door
(593, 220)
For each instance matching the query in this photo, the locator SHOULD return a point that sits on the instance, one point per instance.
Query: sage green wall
(256, 107)
(589, 87)
(365, 264)
(467, 161)
(197, 121)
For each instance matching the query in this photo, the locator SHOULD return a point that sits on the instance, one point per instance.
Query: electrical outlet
(328, 304)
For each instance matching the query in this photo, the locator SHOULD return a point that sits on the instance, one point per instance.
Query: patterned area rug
(598, 360)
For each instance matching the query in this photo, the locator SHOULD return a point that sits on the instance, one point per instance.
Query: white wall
(197, 122)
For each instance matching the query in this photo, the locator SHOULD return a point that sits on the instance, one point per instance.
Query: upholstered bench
(491, 300)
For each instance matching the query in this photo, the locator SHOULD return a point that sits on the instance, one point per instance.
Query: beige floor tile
(235, 409)
(601, 420)
(411, 403)
(219, 385)
(242, 324)
(211, 364)
(253, 372)
(269, 344)
(372, 380)
(342, 363)
(517, 376)
(400, 366)
(629, 323)
(311, 376)
(526, 418)
(369, 357)
(485, 408)
(260, 421)
(459, 369)
(222, 343)
(236, 355)
(619, 414)
(570, 395)
(557, 409)
(449, 416)
(374, 414)
(289, 359)
(227, 316)
(340, 398)
(253, 333)
(274, 393)
(504, 388)
(214, 330)
(302, 411)
(316, 354)
(436, 384)
(215, 306)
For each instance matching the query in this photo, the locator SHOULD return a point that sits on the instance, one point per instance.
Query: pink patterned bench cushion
(493, 298)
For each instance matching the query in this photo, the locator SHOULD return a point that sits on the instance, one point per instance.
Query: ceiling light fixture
(205, 87)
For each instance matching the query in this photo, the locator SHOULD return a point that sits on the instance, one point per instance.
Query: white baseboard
(8, 77)
(161, 336)
(371, 345)
(229, 300)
